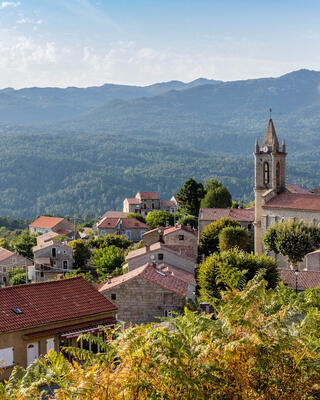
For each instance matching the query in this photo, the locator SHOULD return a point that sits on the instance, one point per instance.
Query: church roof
(270, 136)
(295, 201)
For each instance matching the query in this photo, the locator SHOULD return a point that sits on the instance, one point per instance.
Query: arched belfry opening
(278, 176)
(266, 173)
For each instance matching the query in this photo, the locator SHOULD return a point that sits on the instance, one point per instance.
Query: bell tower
(269, 176)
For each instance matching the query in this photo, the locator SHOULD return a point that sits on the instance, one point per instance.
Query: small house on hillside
(146, 293)
(132, 228)
(10, 260)
(61, 226)
(144, 202)
(38, 317)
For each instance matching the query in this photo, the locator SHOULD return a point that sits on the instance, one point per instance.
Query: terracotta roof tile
(152, 274)
(46, 222)
(148, 195)
(178, 228)
(132, 200)
(296, 201)
(114, 214)
(306, 279)
(178, 273)
(46, 237)
(296, 189)
(107, 222)
(49, 302)
(236, 214)
(128, 223)
(4, 254)
(156, 246)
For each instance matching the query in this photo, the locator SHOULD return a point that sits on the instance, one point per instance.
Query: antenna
(270, 110)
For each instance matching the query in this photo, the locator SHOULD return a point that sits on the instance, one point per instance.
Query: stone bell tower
(269, 176)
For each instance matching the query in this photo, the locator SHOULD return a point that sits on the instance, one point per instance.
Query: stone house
(52, 258)
(146, 293)
(174, 235)
(61, 226)
(178, 256)
(245, 216)
(10, 260)
(144, 202)
(130, 227)
(38, 317)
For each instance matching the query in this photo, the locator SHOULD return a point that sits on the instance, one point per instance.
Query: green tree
(234, 236)
(209, 239)
(4, 243)
(189, 220)
(23, 244)
(217, 195)
(137, 216)
(189, 197)
(81, 252)
(293, 239)
(17, 276)
(107, 260)
(234, 266)
(100, 242)
(159, 218)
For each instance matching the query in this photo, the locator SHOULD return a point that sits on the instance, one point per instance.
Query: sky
(139, 42)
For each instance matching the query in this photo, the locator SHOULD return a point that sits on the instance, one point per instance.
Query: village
(142, 272)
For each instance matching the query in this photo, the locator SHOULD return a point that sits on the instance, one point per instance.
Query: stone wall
(140, 301)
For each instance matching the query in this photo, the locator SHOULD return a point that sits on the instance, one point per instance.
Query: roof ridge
(41, 283)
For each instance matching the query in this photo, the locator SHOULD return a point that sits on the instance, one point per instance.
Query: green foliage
(292, 238)
(217, 195)
(189, 197)
(77, 272)
(234, 236)
(235, 266)
(4, 243)
(189, 220)
(23, 244)
(81, 252)
(17, 276)
(262, 345)
(107, 260)
(137, 216)
(100, 242)
(159, 218)
(209, 240)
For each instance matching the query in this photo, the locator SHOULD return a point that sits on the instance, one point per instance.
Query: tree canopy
(159, 218)
(107, 260)
(216, 196)
(209, 239)
(81, 252)
(23, 244)
(189, 197)
(293, 239)
(234, 236)
(137, 216)
(234, 266)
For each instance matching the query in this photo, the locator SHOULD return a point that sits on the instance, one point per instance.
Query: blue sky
(87, 42)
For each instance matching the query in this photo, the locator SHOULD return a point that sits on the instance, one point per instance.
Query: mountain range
(81, 150)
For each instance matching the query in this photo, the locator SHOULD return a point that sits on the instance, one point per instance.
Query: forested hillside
(122, 142)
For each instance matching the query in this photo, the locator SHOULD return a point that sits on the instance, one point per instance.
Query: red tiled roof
(236, 214)
(63, 231)
(168, 204)
(156, 246)
(296, 201)
(180, 227)
(178, 273)
(128, 223)
(306, 279)
(148, 195)
(114, 214)
(132, 200)
(152, 274)
(315, 190)
(296, 189)
(4, 254)
(46, 222)
(49, 302)
(46, 237)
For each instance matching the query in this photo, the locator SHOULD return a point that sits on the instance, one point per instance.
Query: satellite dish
(152, 257)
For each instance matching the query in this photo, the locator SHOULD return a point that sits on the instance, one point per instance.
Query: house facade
(8, 261)
(146, 293)
(132, 228)
(61, 226)
(51, 258)
(39, 317)
(178, 256)
(144, 202)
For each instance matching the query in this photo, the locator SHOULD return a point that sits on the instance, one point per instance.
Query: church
(275, 200)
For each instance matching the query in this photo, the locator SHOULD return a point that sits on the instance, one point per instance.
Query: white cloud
(29, 21)
(5, 4)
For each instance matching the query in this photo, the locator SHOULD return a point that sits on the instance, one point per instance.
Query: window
(128, 234)
(4, 279)
(168, 313)
(113, 296)
(145, 206)
(4, 269)
(266, 173)
(54, 252)
(249, 226)
(50, 344)
(152, 205)
(41, 267)
(160, 256)
(6, 357)
(41, 274)
(65, 264)
(278, 173)
(181, 237)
